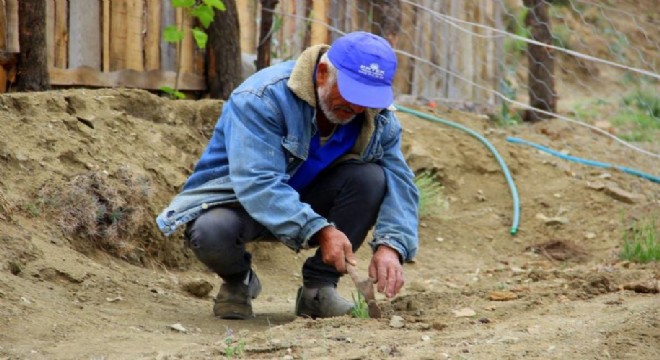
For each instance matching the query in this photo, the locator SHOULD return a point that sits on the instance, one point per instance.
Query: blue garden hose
(505, 169)
(584, 161)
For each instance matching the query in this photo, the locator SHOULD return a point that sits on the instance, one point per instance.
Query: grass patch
(640, 242)
(639, 116)
(103, 210)
(361, 309)
(431, 199)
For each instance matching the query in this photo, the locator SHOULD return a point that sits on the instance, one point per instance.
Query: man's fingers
(391, 282)
(400, 280)
(382, 278)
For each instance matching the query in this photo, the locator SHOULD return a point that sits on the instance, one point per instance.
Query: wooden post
(84, 34)
(263, 50)
(387, 19)
(224, 68)
(247, 14)
(50, 31)
(405, 42)
(33, 59)
(541, 62)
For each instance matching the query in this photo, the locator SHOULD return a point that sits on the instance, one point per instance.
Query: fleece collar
(301, 83)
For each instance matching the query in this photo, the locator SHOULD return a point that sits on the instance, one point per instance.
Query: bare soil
(556, 290)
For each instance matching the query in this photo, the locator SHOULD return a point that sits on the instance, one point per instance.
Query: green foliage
(516, 25)
(34, 209)
(204, 12)
(361, 309)
(431, 199)
(561, 36)
(234, 348)
(641, 242)
(639, 116)
(174, 94)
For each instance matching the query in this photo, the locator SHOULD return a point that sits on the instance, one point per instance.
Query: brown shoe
(234, 300)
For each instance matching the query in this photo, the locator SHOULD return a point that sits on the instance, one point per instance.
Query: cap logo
(372, 70)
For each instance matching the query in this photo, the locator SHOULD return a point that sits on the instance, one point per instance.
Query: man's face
(336, 109)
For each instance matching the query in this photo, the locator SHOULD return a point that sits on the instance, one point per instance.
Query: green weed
(431, 199)
(361, 309)
(641, 243)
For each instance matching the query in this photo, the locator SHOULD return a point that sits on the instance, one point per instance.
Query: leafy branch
(204, 12)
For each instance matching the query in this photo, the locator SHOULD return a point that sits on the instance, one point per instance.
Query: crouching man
(307, 152)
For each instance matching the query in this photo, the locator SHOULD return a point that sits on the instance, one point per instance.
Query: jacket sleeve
(257, 168)
(396, 225)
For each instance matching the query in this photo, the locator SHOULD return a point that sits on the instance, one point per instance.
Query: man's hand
(336, 249)
(387, 271)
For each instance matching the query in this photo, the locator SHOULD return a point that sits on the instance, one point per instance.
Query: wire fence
(475, 55)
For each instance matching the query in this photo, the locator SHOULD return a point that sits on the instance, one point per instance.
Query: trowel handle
(352, 272)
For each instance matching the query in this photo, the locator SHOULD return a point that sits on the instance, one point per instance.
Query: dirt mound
(555, 290)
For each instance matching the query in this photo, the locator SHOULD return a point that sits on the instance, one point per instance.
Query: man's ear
(321, 74)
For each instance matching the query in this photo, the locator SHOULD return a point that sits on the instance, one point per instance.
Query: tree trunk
(387, 19)
(32, 62)
(541, 61)
(263, 50)
(223, 63)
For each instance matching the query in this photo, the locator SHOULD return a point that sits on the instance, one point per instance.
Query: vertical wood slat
(11, 14)
(84, 34)
(320, 15)
(187, 48)
(134, 39)
(118, 38)
(152, 40)
(247, 14)
(3, 26)
(50, 32)
(106, 35)
(167, 50)
(61, 36)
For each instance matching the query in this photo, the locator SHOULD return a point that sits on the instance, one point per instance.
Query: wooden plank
(61, 36)
(118, 25)
(319, 17)
(247, 15)
(152, 40)
(50, 32)
(84, 34)
(187, 48)
(11, 13)
(106, 35)
(150, 80)
(134, 38)
(167, 50)
(3, 26)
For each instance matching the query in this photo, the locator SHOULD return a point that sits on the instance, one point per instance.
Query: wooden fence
(115, 43)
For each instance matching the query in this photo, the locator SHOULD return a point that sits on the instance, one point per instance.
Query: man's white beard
(324, 93)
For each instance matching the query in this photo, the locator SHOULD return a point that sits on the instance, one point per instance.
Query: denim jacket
(261, 139)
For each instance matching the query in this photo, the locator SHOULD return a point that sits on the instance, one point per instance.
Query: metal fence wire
(473, 54)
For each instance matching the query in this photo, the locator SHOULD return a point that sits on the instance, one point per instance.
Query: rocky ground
(556, 290)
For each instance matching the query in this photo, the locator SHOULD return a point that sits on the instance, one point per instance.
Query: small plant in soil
(361, 309)
(641, 242)
(431, 200)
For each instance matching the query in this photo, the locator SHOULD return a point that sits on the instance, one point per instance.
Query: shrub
(641, 242)
(106, 211)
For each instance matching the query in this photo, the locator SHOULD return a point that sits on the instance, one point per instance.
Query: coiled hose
(505, 169)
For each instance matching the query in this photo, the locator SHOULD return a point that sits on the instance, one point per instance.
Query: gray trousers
(348, 195)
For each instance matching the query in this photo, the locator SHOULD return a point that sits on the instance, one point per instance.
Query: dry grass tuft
(104, 210)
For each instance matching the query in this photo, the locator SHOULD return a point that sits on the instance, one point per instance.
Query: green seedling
(641, 242)
(361, 309)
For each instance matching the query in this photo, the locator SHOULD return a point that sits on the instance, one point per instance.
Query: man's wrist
(393, 250)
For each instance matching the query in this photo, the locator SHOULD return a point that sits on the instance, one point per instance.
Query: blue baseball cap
(365, 64)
